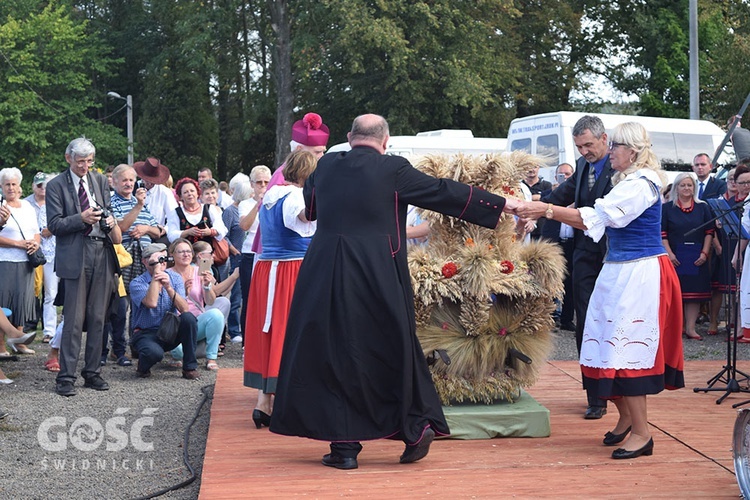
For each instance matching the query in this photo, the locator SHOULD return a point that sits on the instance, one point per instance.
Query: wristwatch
(549, 213)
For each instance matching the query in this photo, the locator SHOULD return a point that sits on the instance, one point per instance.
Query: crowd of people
(177, 273)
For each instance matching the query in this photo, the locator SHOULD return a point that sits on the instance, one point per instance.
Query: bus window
(690, 145)
(521, 145)
(547, 147)
(662, 143)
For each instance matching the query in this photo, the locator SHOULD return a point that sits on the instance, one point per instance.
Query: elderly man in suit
(75, 200)
(592, 180)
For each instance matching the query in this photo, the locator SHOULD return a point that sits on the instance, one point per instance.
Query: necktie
(592, 176)
(83, 198)
(700, 191)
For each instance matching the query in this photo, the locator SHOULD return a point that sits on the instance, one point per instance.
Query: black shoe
(3, 414)
(65, 388)
(569, 326)
(611, 439)
(647, 449)
(124, 361)
(145, 374)
(418, 451)
(96, 382)
(594, 412)
(262, 418)
(338, 461)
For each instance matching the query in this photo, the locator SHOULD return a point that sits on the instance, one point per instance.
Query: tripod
(733, 229)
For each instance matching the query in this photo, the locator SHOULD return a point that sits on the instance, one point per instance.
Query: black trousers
(346, 449)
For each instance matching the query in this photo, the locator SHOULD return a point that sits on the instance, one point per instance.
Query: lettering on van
(532, 128)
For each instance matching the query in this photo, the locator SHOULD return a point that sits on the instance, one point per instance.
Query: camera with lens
(139, 184)
(164, 258)
(103, 221)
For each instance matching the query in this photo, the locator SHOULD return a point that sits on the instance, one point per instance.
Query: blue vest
(639, 239)
(278, 241)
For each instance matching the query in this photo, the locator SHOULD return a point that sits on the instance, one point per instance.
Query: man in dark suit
(86, 262)
(562, 234)
(592, 180)
(708, 187)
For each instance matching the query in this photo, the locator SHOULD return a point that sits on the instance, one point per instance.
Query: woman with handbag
(19, 241)
(194, 220)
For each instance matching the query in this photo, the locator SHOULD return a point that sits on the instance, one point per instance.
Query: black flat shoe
(331, 460)
(647, 449)
(261, 418)
(611, 439)
(97, 383)
(418, 451)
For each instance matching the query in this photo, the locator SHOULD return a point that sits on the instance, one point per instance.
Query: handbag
(221, 251)
(168, 330)
(37, 258)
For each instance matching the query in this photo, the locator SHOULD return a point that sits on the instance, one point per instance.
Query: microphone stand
(728, 374)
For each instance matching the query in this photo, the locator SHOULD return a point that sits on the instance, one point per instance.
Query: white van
(675, 141)
(437, 142)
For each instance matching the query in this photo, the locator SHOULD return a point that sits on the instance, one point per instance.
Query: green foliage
(45, 88)
(423, 65)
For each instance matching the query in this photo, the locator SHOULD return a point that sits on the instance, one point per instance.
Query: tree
(45, 88)
(423, 65)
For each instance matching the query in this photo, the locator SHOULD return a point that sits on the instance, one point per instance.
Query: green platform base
(524, 418)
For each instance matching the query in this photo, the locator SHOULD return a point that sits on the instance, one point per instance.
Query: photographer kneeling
(155, 293)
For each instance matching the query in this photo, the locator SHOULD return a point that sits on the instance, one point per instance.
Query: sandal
(211, 365)
(22, 349)
(693, 337)
(52, 365)
(175, 363)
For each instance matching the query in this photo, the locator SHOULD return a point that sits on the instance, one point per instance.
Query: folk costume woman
(632, 341)
(285, 236)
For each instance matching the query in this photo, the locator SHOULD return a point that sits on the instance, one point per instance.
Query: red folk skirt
(667, 372)
(263, 348)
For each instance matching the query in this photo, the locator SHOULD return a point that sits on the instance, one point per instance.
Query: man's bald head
(369, 130)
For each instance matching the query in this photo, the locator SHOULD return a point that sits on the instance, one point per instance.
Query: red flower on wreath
(509, 190)
(506, 267)
(449, 270)
(503, 332)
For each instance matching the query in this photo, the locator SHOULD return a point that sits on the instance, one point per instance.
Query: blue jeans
(151, 350)
(210, 328)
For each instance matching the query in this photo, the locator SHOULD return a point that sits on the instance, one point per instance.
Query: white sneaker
(237, 339)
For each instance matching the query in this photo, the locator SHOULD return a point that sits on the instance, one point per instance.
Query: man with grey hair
(88, 270)
(352, 368)
(591, 180)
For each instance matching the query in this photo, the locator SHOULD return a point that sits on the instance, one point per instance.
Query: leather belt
(95, 238)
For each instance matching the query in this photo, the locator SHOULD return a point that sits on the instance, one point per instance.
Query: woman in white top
(194, 221)
(19, 237)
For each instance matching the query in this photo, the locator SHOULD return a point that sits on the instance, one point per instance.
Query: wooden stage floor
(692, 452)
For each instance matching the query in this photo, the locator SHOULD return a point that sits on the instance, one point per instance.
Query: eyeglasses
(743, 183)
(262, 183)
(40, 186)
(613, 145)
(184, 252)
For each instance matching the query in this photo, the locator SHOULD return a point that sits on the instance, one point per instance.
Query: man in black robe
(352, 368)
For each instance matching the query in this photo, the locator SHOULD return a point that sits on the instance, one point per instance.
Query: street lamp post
(129, 104)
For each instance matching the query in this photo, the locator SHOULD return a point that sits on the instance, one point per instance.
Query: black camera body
(166, 258)
(103, 221)
(139, 184)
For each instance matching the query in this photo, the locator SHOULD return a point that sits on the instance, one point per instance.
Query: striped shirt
(120, 208)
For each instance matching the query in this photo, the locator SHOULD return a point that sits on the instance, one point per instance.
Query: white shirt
(25, 215)
(214, 212)
(244, 208)
(160, 201)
